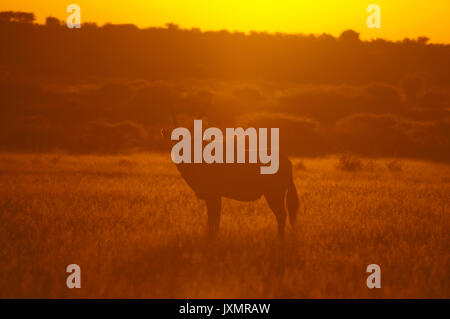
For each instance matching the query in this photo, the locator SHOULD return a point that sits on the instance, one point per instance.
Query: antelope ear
(162, 133)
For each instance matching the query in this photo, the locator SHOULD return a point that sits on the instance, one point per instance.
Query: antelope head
(167, 132)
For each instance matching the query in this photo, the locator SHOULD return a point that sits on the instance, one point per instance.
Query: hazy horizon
(400, 20)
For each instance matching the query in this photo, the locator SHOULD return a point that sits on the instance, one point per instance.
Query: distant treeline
(173, 53)
(108, 88)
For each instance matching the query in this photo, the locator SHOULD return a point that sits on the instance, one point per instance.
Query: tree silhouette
(18, 16)
(52, 22)
(349, 36)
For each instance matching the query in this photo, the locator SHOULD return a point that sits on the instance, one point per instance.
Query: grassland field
(137, 231)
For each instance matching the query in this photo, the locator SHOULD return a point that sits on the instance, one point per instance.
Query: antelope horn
(172, 114)
(206, 105)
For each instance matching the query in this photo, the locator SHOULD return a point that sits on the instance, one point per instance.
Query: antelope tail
(292, 202)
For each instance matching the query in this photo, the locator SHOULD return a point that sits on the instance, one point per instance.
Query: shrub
(126, 163)
(299, 165)
(394, 166)
(349, 163)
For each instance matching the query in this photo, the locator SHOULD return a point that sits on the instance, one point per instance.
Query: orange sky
(399, 18)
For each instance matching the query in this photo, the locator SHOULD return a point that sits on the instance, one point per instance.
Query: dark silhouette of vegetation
(17, 17)
(107, 88)
(52, 22)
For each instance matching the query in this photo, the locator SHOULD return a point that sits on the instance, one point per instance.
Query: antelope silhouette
(242, 182)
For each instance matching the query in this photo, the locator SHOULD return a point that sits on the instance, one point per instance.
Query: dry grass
(136, 230)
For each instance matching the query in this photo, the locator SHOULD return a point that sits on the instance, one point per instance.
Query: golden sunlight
(400, 18)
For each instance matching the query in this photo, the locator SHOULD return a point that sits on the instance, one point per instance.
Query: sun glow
(400, 18)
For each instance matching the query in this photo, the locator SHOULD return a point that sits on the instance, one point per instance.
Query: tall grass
(137, 230)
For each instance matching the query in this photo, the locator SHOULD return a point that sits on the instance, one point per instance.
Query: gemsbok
(242, 182)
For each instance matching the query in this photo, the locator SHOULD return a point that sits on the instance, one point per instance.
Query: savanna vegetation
(107, 89)
(137, 230)
(85, 176)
